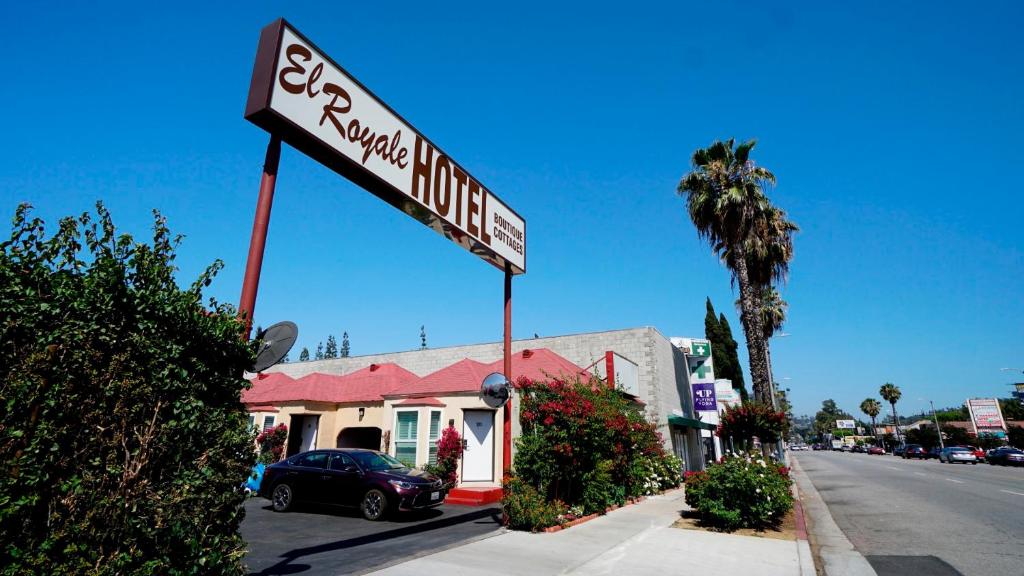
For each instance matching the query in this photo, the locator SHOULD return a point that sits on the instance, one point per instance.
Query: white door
(309, 429)
(478, 457)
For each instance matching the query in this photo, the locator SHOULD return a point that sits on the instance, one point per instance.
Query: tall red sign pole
(506, 448)
(254, 264)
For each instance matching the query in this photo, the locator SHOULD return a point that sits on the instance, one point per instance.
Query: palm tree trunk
(874, 431)
(895, 422)
(752, 329)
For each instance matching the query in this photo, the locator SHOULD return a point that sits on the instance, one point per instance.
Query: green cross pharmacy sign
(700, 349)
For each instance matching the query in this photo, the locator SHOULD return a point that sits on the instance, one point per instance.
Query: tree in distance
(344, 345)
(319, 351)
(304, 355)
(331, 351)
(871, 407)
(891, 394)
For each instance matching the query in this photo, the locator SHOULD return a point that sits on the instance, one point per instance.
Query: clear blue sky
(894, 129)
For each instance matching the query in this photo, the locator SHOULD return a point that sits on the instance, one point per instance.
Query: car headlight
(401, 484)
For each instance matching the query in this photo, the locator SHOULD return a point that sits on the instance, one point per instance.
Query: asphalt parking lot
(325, 540)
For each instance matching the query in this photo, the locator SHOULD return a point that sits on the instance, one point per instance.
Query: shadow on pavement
(911, 566)
(287, 565)
(347, 512)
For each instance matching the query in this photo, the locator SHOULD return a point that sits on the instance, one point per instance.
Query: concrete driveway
(323, 540)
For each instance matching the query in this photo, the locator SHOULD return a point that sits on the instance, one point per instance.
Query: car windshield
(376, 461)
(959, 450)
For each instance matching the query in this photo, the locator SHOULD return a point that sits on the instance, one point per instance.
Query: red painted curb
(589, 517)
(801, 523)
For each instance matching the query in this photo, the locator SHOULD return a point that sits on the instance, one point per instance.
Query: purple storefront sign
(704, 397)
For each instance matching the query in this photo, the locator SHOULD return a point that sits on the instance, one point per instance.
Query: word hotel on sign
(441, 185)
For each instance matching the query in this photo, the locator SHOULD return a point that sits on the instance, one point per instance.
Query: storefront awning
(690, 422)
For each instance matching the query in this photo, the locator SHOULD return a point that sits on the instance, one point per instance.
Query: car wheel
(282, 498)
(375, 505)
(975, 463)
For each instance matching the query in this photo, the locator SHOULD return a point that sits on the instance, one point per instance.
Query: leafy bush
(740, 492)
(525, 508)
(449, 450)
(271, 443)
(748, 420)
(124, 440)
(587, 445)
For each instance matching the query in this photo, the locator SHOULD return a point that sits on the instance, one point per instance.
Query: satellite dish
(275, 342)
(495, 390)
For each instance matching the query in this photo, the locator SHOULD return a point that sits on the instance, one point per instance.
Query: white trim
(416, 441)
(273, 421)
(432, 442)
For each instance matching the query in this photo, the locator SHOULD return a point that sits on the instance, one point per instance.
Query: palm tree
(725, 197)
(871, 407)
(891, 394)
(773, 315)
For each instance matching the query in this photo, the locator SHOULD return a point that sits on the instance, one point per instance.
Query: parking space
(324, 540)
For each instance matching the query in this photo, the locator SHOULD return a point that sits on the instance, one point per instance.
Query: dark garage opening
(360, 437)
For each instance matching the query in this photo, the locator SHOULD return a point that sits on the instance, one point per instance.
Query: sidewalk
(636, 539)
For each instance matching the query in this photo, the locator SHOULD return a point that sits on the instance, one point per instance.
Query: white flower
(758, 490)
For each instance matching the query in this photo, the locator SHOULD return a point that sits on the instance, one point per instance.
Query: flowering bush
(587, 445)
(449, 450)
(740, 492)
(525, 508)
(272, 443)
(752, 419)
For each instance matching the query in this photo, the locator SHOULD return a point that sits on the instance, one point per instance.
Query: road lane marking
(920, 473)
(957, 481)
(892, 468)
(1012, 492)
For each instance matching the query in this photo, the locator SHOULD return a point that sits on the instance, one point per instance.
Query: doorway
(302, 433)
(478, 455)
(360, 437)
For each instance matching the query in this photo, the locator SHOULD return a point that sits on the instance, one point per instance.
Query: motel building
(400, 402)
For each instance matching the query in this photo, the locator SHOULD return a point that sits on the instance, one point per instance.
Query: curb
(831, 549)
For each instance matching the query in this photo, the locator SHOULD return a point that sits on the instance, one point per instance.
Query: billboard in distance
(986, 417)
(846, 424)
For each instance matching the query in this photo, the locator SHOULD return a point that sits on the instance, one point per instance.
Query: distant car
(876, 450)
(845, 448)
(914, 451)
(898, 451)
(957, 454)
(978, 452)
(934, 453)
(1006, 456)
(858, 449)
(372, 481)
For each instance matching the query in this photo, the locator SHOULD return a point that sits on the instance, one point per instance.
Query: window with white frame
(435, 435)
(252, 421)
(268, 422)
(406, 436)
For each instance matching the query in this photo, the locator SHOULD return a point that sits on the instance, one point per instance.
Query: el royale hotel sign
(301, 95)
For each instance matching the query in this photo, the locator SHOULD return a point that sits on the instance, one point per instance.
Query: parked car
(978, 452)
(859, 449)
(957, 454)
(876, 450)
(898, 451)
(1006, 456)
(914, 451)
(934, 453)
(845, 448)
(372, 481)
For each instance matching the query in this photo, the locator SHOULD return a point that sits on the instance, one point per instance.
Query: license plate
(435, 495)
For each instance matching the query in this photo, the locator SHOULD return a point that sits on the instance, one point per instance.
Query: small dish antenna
(495, 390)
(275, 342)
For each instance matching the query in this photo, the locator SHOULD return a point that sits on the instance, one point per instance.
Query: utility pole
(938, 430)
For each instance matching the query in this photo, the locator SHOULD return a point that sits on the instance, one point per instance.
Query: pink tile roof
(466, 375)
(366, 385)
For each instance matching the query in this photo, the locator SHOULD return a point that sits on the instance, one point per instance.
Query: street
(912, 517)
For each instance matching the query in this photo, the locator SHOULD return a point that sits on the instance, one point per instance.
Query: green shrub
(599, 490)
(740, 492)
(525, 508)
(124, 442)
